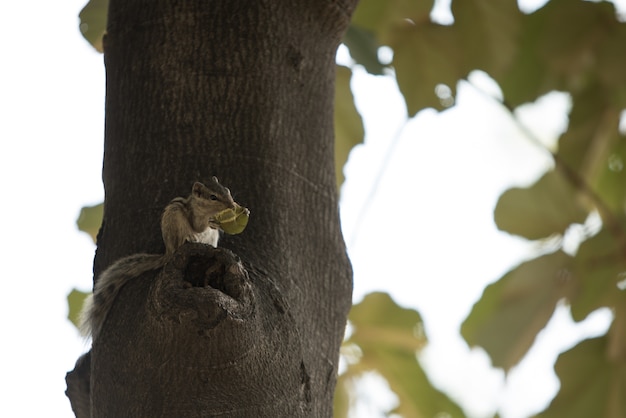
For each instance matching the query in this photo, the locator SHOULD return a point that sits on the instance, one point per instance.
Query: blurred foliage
(549, 207)
(573, 46)
(75, 301)
(592, 384)
(93, 22)
(90, 219)
(348, 123)
(515, 308)
(386, 338)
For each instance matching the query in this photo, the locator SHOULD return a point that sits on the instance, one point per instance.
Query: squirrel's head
(213, 199)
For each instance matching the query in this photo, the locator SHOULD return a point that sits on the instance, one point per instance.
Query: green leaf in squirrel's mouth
(233, 221)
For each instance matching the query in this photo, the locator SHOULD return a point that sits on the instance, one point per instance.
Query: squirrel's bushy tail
(97, 305)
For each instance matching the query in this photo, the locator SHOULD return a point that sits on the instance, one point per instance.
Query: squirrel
(196, 218)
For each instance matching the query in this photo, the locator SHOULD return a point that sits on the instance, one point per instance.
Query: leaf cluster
(386, 339)
(571, 46)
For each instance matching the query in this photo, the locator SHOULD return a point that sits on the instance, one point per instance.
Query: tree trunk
(242, 90)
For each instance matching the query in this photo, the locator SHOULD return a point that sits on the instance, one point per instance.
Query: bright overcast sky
(444, 170)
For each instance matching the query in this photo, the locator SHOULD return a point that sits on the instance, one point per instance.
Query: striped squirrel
(196, 218)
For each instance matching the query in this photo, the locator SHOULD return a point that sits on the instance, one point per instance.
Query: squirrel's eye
(213, 197)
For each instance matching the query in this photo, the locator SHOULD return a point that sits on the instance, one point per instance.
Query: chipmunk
(197, 218)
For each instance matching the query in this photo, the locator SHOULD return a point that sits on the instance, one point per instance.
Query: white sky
(441, 180)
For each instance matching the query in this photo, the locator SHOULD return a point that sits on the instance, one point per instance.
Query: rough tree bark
(242, 90)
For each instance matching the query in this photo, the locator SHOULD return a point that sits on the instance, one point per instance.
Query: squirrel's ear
(197, 188)
(215, 179)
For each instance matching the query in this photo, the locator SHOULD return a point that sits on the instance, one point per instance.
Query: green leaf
(341, 400)
(570, 50)
(363, 48)
(597, 268)
(75, 301)
(383, 17)
(568, 57)
(548, 207)
(511, 311)
(425, 56)
(93, 22)
(611, 181)
(489, 31)
(592, 133)
(611, 62)
(233, 221)
(90, 219)
(616, 351)
(528, 78)
(389, 337)
(379, 315)
(591, 385)
(348, 123)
